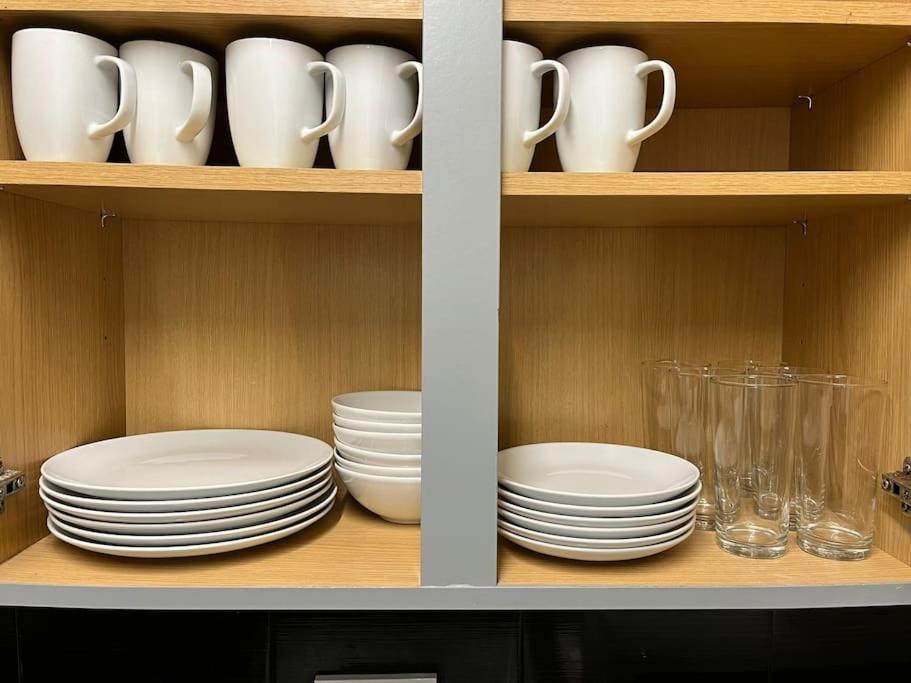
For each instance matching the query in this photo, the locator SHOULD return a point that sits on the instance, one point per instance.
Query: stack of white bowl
(179, 494)
(378, 451)
(588, 501)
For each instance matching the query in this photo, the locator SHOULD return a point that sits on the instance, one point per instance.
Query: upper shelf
(726, 52)
(656, 199)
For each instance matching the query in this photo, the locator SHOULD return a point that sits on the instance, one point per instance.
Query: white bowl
(381, 470)
(368, 457)
(599, 522)
(380, 406)
(573, 531)
(395, 499)
(598, 543)
(598, 510)
(594, 473)
(382, 427)
(407, 444)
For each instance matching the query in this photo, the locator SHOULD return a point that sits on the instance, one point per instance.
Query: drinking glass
(842, 420)
(659, 403)
(691, 434)
(752, 420)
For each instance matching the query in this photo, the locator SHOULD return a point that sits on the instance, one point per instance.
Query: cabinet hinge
(898, 484)
(11, 481)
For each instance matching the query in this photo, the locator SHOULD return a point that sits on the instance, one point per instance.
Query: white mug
(523, 68)
(275, 101)
(384, 108)
(65, 95)
(175, 106)
(604, 128)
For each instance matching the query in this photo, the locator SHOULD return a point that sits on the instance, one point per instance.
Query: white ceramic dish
(137, 540)
(601, 511)
(381, 470)
(395, 499)
(369, 457)
(599, 522)
(232, 500)
(597, 543)
(308, 494)
(592, 554)
(594, 473)
(382, 427)
(185, 550)
(405, 444)
(187, 464)
(403, 407)
(579, 532)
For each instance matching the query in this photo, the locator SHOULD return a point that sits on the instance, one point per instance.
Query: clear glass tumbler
(659, 403)
(752, 424)
(842, 421)
(691, 436)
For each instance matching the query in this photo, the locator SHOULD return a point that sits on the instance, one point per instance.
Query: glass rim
(753, 380)
(843, 380)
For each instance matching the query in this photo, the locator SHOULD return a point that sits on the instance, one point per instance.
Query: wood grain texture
(259, 325)
(61, 345)
(349, 547)
(697, 562)
(581, 307)
(9, 141)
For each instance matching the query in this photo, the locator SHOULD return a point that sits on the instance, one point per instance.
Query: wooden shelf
(657, 199)
(211, 193)
(726, 52)
(697, 563)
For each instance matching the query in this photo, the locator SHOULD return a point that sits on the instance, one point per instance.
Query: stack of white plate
(179, 494)
(378, 451)
(587, 501)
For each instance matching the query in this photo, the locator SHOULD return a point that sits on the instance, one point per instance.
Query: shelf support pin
(809, 100)
(105, 214)
(803, 223)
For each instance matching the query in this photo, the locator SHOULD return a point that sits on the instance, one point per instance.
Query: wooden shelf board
(349, 548)
(668, 199)
(211, 193)
(698, 562)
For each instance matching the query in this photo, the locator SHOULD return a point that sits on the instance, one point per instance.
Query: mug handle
(337, 106)
(126, 111)
(634, 137)
(409, 132)
(561, 108)
(200, 103)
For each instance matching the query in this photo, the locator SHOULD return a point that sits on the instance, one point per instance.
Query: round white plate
(599, 511)
(594, 473)
(309, 494)
(381, 470)
(187, 464)
(405, 444)
(232, 500)
(592, 554)
(597, 543)
(380, 406)
(369, 457)
(599, 522)
(591, 532)
(185, 550)
(134, 540)
(385, 427)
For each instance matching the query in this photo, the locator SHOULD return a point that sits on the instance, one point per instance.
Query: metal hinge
(898, 484)
(11, 481)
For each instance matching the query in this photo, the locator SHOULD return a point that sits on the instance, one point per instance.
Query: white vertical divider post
(461, 288)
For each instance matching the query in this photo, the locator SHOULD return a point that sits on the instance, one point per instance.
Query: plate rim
(580, 530)
(597, 555)
(588, 543)
(623, 510)
(508, 504)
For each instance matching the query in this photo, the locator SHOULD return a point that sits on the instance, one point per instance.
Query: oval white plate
(591, 554)
(380, 406)
(592, 532)
(594, 473)
(184, 504)
(133, 540)
(185, 550)
(187, 464)
(598, 543)
(189, 515)
(395, 499)
(599, 522)
(384, 427)
(405, 444)
(369, 457)
(598, 511)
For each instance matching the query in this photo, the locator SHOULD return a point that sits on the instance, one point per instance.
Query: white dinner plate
(369, 457)
(405, 444)
(381, 470)
(599, 522)
(308, 494)
(185, 550)
(91, 503)
(592, 532)
(187, 464)
(592, 554)
(386, 427)
(136, 540)
(594, 473)
(599, 511)
(380, 406)
(597, 543)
